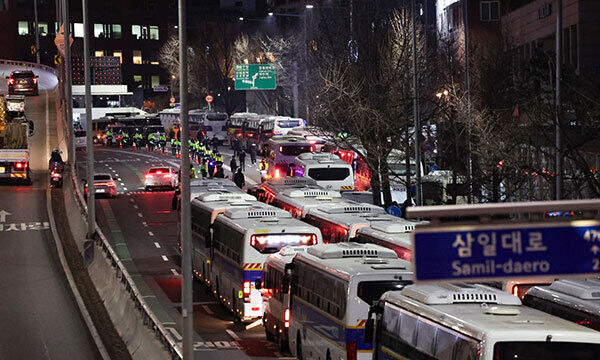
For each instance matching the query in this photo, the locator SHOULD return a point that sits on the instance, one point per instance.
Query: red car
(22, 82)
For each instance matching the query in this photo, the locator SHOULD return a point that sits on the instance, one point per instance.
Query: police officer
(151, 141)
(138, 137)
(204, 168)
(192, 172)
(109, 137)
(124, 137)
(173, 146)
(162, 141)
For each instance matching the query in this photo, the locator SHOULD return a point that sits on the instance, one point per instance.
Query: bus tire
(328, 355)
(299, 347)
(268, 334)
(282, 343)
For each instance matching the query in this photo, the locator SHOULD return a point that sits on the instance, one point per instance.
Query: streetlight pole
(419, 199)
(37, 32)
(89, 128)
(186, 241)
(468, 94)
(558, 139)
(67, 85)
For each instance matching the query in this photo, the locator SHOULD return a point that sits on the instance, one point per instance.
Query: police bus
(281, 151)
(215, 126)
(283, 124)
(205, 208)
(393, 234)
(267, 190)
(275, 286)
(299, 200)
(333, 287)
(577, 301)
(339, 222)
(200, 186)
(468, 322)
(243, 238)
(328, 170)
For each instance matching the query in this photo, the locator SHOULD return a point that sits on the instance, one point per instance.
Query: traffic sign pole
(209, 99)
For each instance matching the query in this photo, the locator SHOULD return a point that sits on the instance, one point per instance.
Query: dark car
(22, 82)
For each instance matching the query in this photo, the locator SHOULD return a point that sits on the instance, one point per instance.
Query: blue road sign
(506, 251)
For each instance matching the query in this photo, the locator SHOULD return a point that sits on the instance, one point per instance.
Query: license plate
(1, 170)
(99, 190)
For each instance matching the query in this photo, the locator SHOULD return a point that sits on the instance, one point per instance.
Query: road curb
(67, 270)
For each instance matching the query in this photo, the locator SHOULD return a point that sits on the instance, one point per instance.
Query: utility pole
(468, 94)
(37, 32)
(89, 128)
(558, 139)
(419, 199)
(68, 77)
(186, 225)
(206, 51)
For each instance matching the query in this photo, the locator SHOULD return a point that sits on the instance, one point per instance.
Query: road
(142, 226)
(40, 319)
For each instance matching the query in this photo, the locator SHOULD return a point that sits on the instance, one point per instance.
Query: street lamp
(309, 6)
(241, 18)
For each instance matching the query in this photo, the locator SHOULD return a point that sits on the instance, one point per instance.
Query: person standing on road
(233, 164)
(192, 172)
(204, 168)
(239, 179)
(253, 151)
(242, 157)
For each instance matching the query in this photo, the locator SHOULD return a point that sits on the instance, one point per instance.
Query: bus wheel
(268, 334)
(328, 355)
(282, 343)
(299, 347)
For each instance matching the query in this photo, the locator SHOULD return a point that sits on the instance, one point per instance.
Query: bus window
(546, 350)
(268, 244)
(371, 291)
(328, 174)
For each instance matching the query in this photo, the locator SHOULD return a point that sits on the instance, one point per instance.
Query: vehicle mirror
(369, 328)
(258, 284)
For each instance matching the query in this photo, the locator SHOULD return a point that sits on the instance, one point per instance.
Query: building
(532, 23)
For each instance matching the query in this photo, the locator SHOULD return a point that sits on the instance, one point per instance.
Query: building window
(119, 54)
(490, 10)
(99, 53)
(137, 57)
(155, 81)
(144, 32)
(78, 30)
(23, 28)
(136, 31)
(43, 28)
(116, 31)
(99, 30)
(137, 80)
(153, 32)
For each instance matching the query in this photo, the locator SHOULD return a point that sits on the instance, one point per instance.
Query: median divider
(126, 297)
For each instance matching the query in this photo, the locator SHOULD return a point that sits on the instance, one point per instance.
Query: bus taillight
(247, 288)
(351, 350)
(286, 318)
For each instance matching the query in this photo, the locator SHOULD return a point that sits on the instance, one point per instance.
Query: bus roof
(582, 295)
(349, 213)
(221, 200)
(285, 256)
(311, 159)
(459, 306)
(346, 260)
(396, 231)
(289, 140)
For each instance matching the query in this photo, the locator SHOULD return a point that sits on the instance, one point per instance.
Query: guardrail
(166, 337)
(29, 65)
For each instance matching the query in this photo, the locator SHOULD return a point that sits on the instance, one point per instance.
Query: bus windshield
(547, 350)
(272, 243)
(329, 174)
(294, 150)
(371, 291)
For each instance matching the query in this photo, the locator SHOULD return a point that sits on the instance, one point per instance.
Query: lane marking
(232, 334)
(165, 258)
(135, 206)
(174, 272)
(150, 233)
(131, 200)
(144, 223)
(208, 310)
(254, 324)
(175, 334)
(122, 184)
(140, 215)
(125, 188)
(157, 245)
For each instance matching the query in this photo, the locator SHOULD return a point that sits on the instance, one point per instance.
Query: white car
(104, 184)
(161, 177)
(80, 139)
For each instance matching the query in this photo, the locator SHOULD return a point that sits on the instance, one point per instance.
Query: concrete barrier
(144, 335)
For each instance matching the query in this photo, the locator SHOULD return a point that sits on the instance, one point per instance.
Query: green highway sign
(255, 77)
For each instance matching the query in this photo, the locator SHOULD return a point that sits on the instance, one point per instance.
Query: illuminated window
(99, 31)
(136, 31)
(98, 53)
(153, 32)
(155, 81)
(154, 63)
(116, 31)
(78, 30)
(119, 54)
(23, 28)
(137, 79)
(137, 57)
(490, 10)
(43, 28)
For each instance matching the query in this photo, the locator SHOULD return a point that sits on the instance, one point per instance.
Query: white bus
(281, 152)
(276, 295)
(577, 301)
(328, 170)
(243, 238)
(393, 234)
(299, 200)
(333, 287)
(283, 124)
(267, 190)
(201, 186)
(312, 134)
(340, 222)
(468, 322)
(215, 126)
(205, 208)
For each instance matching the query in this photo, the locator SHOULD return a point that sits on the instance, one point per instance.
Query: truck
(14, 140)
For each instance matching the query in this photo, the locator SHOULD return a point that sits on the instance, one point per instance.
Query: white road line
(122, 184)
(140, 215)
(131, 200)
(164, 257)
(135, 206)
(144, 223)
(232, 334)
(254, 324)
(157, 245)
(150, 233)
(174, 272)
(125, 188)
(208, 310)
(175, 334)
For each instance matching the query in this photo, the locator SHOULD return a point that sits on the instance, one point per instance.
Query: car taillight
(351, 350)
(277, 174)
(35, 80)
(11, 81)
(286, 318)
(55, 174)
(281, 149)
(20, 165)
(247, 288)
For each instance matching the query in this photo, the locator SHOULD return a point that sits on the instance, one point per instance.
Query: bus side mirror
(369, 329)
(258, 284)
